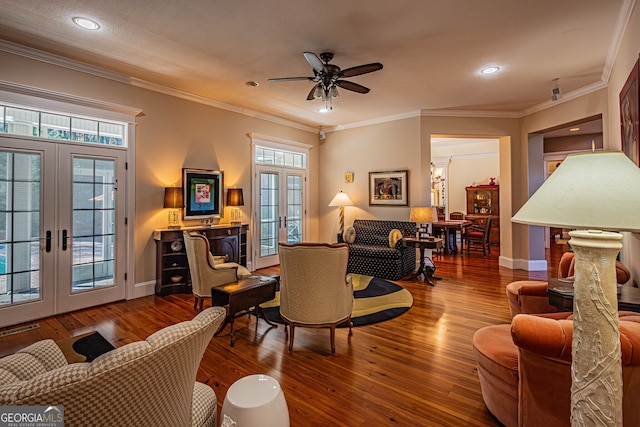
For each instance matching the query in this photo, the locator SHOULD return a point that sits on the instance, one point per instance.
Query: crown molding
(470, 113)
(393, 118)
(71, 64)
(624, 15)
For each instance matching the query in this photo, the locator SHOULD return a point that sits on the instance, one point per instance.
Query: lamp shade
(341, 199)
(235, 197)
(173, 197)
(423, 215)
(587, 191)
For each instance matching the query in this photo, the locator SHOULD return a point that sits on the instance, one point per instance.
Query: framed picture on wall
(388, 188)
(203, 190)
(629, 116)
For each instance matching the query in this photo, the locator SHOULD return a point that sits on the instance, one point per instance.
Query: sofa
(145, 383)
(375, 248)
(525, 369)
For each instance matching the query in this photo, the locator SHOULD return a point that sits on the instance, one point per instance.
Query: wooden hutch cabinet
(482, 201)
(172, 267)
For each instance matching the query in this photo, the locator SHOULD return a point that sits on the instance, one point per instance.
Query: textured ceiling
(432, 50)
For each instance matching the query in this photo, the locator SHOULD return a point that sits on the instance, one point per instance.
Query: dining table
(449, 228)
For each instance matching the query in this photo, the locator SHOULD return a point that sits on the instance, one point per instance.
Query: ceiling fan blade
(310, 97)
(290, 79)
(315, 62)
(361, 69)
(355, 87)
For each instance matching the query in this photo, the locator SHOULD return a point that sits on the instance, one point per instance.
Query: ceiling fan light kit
(328, 78)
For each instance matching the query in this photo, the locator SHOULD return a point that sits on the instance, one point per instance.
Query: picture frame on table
(389, 188)
(203, 191)
(629, 115)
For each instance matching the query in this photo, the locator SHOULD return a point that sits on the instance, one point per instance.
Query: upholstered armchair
(476, 237)
(315, 290)
(530, 296)
(144, 383)
(525, 369)
(208, 270)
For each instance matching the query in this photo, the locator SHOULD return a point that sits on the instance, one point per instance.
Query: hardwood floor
(415, 370)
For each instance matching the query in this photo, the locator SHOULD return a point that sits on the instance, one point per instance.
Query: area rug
(84, 348)
(375, 300)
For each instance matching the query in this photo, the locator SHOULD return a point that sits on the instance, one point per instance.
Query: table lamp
(592, 192)
(341, 199)
(422, 216)
(173, 202)
(235, 198)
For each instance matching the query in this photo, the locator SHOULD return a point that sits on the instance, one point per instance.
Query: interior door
(280, 216)
(62, 229)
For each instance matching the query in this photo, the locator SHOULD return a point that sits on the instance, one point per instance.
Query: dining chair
(476, 237)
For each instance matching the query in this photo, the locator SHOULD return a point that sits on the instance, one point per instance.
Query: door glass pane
(19, 227)
(93, 224)
(268, 214)
(294, 209)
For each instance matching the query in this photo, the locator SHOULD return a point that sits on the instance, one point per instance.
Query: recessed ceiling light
(86, 23)
(324, 109)
(490, 70)
(574, 129)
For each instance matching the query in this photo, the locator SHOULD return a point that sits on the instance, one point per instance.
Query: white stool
(255, 400)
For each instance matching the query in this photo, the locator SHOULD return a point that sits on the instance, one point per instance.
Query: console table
(172, 267)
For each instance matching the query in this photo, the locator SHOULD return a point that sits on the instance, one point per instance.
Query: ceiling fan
(328, 77)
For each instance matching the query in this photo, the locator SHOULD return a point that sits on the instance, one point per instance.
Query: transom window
(61, 127)
(270, 156)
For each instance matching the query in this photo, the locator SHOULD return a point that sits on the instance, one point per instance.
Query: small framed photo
(629, 115)
(389, 188)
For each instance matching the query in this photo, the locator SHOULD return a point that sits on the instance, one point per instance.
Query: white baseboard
(523, 264)
(143, 289)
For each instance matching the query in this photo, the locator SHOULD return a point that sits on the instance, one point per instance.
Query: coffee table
(561, 295)
(239, 297)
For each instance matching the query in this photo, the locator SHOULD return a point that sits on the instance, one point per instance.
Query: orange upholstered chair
(525, 369)
(530, 296)
(567, 261)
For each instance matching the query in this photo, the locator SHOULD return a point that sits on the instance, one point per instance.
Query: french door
(280, 213)
(62, 228)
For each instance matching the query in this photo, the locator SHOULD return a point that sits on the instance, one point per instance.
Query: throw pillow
(394, 236)
(349, 235)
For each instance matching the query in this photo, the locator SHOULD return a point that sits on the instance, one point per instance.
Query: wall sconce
(173, 202)
(235, 198)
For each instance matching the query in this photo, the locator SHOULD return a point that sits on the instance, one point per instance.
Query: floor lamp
(592, 192)
(341, 199)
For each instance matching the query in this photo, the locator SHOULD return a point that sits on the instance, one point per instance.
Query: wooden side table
(239, 297)
(422, 244)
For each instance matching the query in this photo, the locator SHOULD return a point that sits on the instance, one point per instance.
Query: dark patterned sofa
(371, 254)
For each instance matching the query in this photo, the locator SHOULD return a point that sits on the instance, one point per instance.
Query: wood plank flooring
(415, 370)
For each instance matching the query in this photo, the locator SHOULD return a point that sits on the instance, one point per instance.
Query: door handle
(64, 240)
(279, 222)
(47, 245)
(285, 222)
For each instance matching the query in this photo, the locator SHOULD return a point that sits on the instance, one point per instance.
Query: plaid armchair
(370, 252)
(145, 383)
